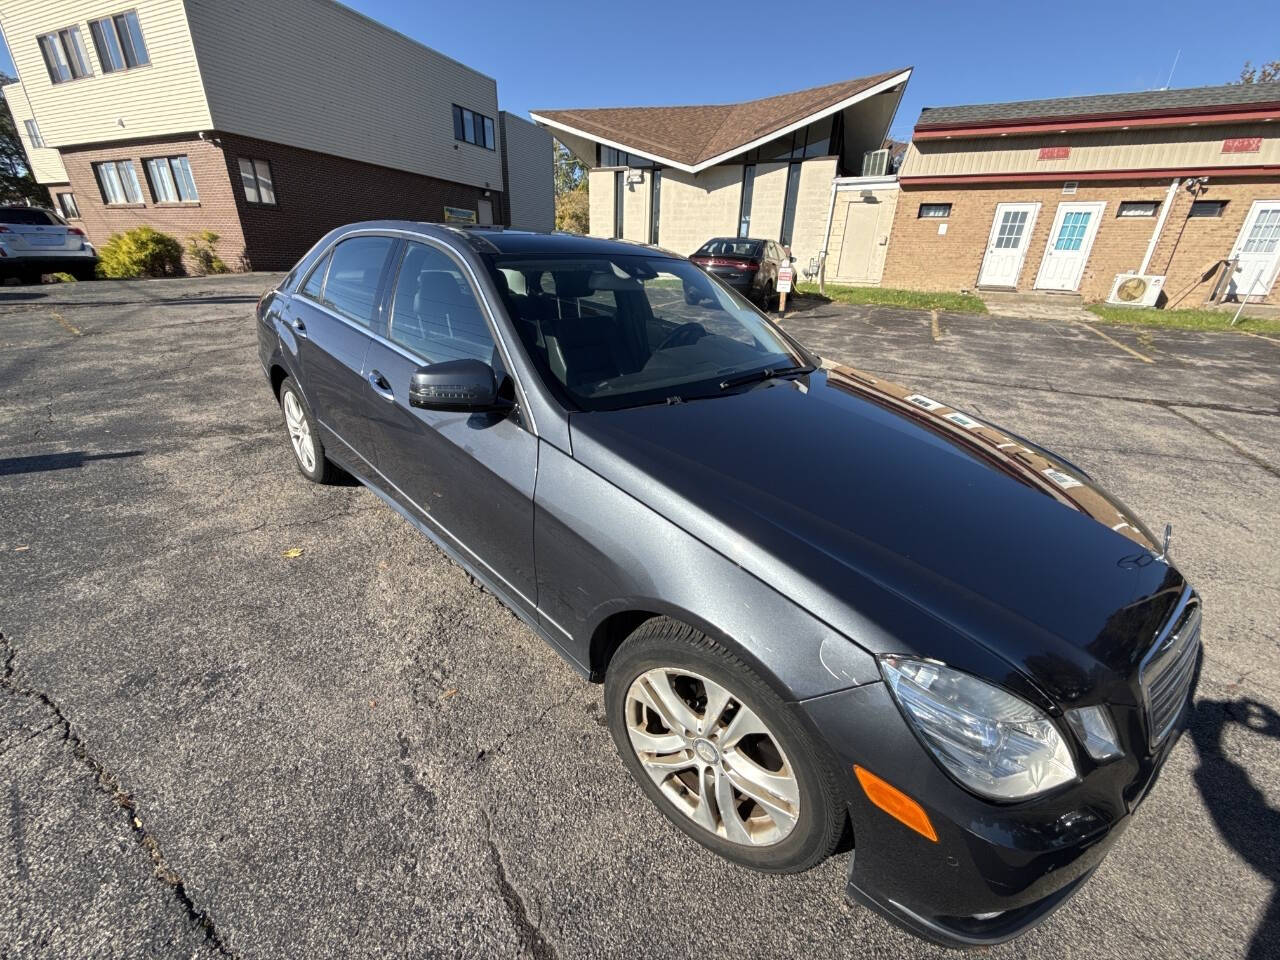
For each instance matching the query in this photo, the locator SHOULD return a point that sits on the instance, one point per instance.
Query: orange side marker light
(895, 803)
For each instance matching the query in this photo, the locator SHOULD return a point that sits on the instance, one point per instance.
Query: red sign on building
(1054, 153)
(1242, 145)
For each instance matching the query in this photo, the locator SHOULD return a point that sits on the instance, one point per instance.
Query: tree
(17, 185)
(571, 173)
(573, 212)
(1265, 73)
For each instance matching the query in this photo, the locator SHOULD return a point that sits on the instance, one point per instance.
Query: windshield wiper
(768, 373)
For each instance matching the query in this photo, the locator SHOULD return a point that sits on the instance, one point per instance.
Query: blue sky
(556, 54)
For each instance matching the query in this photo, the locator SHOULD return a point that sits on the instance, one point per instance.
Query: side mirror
(454, 385)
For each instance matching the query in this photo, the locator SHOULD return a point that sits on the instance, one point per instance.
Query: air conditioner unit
(1136, 290)
(875, 163)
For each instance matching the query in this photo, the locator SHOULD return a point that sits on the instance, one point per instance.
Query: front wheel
(719, 752)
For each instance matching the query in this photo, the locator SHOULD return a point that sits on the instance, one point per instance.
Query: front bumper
(996, 870)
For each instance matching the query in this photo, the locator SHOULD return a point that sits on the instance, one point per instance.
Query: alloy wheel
(299, 431)
(712, 756)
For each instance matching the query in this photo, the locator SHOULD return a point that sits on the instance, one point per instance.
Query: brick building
(1065, 195)
(177, 114)
(679, 176)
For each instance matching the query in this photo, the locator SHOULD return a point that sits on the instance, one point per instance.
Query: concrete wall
(921, 259)
(861, 226)
(697, 207)
(635, 207)
(600, 201)
(812, 204)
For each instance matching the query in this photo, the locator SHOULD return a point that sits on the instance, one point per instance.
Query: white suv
(34, 241)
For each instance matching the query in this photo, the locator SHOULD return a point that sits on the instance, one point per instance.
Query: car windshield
(26, 216)
(729, 248)
(612, 331)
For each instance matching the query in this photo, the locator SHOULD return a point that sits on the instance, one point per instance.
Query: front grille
(1168, 669)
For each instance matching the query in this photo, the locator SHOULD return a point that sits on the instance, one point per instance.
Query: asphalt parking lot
(244, 716)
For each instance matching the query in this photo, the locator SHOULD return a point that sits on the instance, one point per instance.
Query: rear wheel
(308, 451)
(718, 751)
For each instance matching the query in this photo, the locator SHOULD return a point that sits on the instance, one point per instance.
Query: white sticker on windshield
(1064, 480)
(920, 400)
(961, 420)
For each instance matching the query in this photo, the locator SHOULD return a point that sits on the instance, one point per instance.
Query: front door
(1257, 251)
(1070, 241)
(1007, 244)
(468, 476)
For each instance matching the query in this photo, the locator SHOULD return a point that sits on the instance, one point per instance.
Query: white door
(484, 211)
(1070, 240)
(1007, 245)
(1257, 251)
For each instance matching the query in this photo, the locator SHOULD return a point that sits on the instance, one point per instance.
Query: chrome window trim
(482, 298)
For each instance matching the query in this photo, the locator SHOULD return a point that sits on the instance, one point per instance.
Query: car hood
(906, 524)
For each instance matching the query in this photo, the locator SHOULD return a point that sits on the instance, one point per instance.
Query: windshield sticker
(922, 401)
(961, 420)
(1065, 481)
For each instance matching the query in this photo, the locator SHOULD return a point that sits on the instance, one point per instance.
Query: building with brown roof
(678, 176)
(1071, 194)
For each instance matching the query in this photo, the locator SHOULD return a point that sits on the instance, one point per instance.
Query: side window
(352, 285)
(315, 281)
(435, 313)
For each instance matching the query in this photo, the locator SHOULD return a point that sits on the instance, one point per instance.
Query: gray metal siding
(317, 75)
(530, 174)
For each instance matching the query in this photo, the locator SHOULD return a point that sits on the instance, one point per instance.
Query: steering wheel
(683, 336)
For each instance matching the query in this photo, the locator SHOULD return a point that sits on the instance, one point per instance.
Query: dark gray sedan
(824, 607)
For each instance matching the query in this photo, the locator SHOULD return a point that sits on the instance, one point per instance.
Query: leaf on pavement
(292, 552)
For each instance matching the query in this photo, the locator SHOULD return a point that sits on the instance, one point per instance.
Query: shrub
(61, 277)
(200, 250)
(140, 252)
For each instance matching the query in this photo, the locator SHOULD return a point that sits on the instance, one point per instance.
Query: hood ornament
(1164, 548)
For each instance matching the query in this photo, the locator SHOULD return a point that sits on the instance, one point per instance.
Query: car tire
(807, 818)
(304, 438)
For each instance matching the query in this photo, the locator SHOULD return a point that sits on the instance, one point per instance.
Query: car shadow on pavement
(1238, 808)
(40, 463)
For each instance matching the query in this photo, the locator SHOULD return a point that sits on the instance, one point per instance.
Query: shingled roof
(1189, 99)
(694, 136)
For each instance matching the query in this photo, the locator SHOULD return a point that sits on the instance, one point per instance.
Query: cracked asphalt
(244, 716)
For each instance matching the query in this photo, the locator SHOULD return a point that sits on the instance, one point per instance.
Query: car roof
(736, 240)
(500, 240)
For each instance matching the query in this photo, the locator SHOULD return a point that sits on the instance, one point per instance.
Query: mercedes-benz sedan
(823, 606)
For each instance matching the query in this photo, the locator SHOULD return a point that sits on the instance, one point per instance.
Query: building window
(744, 208)
(609, 157)
(1138, 208)
(259, 187)
(789, 209)
(655, 205)
(618, 187)
(64, 55)
(33, 133)
(118, 181)
(1207, 208)
(933, 211)
(171, 180)
(67, 204)
(119, 42)
(472, 127)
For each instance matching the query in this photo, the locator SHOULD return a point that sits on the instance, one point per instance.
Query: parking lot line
(70, 328)
(1115, 343)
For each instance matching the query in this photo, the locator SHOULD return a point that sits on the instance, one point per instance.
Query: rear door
(469, 476)
(332, 317)
(1257, 251)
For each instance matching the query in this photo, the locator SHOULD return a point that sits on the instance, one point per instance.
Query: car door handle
(299, 327)
(380, 385)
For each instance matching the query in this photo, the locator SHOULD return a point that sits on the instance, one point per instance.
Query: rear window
(26, 216)
(729, 248)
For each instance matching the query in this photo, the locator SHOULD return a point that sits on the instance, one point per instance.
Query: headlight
(994, 743)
